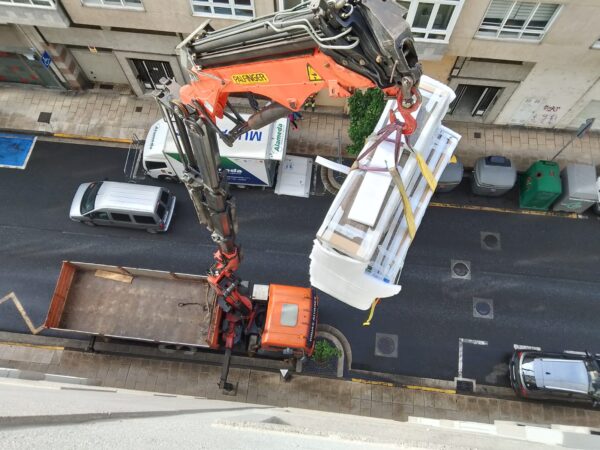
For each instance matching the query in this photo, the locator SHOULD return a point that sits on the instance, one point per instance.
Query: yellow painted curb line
(430, 389)
(43, 347)
(526, 212)
(92, 138)
(376, 383)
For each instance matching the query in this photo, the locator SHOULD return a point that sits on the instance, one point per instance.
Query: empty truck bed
(132, 303)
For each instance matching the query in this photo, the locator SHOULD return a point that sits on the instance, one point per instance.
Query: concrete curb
(75, 137)
(38, 376)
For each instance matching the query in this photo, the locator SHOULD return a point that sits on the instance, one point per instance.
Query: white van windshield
(89, 197)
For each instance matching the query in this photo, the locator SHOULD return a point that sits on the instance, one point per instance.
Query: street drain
(460, 269)
(490, 241)
(44, 117)
(483, 308)
(386, 345)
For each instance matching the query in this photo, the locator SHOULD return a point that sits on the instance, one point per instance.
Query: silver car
(556, 376)
(124, 205)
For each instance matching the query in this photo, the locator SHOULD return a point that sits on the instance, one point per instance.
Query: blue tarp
(15, 150)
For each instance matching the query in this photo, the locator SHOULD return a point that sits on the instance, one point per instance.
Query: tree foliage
(365, 110)
(324, 351)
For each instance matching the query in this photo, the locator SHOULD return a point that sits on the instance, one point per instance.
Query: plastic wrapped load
(361, 245)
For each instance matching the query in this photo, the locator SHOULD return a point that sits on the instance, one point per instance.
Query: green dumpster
(540, 186)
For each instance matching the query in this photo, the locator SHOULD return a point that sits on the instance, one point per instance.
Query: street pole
(581, 132)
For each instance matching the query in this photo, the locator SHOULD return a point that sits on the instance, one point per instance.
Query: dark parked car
(558, 376)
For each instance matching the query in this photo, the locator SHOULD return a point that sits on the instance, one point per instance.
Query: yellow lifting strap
(373, 305)
(426, 171)
(408, 212)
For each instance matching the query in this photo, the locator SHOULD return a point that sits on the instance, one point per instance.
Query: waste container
(493, 176)
(579, 190)
(540, 186)
(451, 177)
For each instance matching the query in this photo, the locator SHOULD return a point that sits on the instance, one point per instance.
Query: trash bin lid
(496, 171)
(453, 173)
(579, 182)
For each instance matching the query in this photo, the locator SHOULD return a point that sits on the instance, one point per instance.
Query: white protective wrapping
(361, 246)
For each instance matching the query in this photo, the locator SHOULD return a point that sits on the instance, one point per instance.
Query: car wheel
(89, 223)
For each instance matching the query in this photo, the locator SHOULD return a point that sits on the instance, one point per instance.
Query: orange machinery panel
(297, 333)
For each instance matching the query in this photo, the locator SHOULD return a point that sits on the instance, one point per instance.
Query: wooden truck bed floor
(146, 308)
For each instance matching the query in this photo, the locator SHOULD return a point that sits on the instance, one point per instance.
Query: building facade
(528, 63)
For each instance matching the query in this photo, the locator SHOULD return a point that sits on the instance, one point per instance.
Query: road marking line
(12, 296)
(526, 347)
(525, 212)
(462, 341)
(24, 344)
(430, 389)
(574, 352)
(376, 383)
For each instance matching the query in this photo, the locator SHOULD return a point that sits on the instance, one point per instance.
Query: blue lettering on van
(249, 135)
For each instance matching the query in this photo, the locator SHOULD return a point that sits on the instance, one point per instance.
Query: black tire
(89, 223)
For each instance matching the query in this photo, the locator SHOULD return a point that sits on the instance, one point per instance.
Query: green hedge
(365, 109)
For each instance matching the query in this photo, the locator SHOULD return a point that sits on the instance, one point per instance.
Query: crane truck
(276, 63)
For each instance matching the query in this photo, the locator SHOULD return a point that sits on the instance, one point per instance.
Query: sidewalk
(267, 388)
(109, 114)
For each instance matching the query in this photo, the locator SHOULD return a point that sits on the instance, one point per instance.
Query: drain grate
(483, 308)
(490, 241)
(386, 345)
(460, 269)
(44, 117)
(465, 385)
(139, 108)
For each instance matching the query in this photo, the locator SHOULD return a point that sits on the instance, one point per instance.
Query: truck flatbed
(130, 303)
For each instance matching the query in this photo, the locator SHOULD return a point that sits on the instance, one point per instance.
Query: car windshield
(89, 197)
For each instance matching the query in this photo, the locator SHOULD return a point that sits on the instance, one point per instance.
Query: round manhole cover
(491, 241)
(460, 269)
(483, 308)
(386, 345)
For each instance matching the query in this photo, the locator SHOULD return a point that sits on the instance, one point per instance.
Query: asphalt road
(543, 282)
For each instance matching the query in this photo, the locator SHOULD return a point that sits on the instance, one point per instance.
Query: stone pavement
(267, 388)
(111, 114)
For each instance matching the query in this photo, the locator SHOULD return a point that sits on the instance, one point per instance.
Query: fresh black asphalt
(544, 282)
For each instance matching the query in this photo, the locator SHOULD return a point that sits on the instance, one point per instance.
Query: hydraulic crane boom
(339, 45)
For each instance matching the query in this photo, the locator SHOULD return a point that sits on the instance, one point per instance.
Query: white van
(251, 161)
(124, 205)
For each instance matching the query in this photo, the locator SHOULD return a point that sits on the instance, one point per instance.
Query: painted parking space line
(15, 150)
(461, 342)
(525, 212)
(12, 297)
(526, 347)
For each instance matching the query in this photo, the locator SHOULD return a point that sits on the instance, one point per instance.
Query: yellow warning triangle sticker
(312, 74)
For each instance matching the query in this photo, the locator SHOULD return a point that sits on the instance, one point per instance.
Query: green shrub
(324, 351)
(365, 109)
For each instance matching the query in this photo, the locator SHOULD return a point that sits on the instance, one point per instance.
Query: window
(289, 315)
(506, 19)
(150, 72)
(243, 9)
(161, 211)
(164, 197)
(99, 215)
(31, 3)
(131, 4)
(121, 217)
(432, 20)
(472, 100)
(288, 4)
(89, 197)
(152, 165)
(144, 219)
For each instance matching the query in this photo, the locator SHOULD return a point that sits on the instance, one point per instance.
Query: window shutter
(497, 11)
(542, 16)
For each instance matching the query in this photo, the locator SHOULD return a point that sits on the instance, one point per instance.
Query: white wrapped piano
(361, 245)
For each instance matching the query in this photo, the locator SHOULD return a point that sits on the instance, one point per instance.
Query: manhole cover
(44, 117)
(460, 269)
(386, 345)
(465, 385)
(483, 308)
(490, 241)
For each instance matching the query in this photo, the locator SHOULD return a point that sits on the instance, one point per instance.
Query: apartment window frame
(518, 34)
(212, 4)
(104, 4)
(423, 34)
(30, 4)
